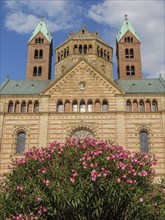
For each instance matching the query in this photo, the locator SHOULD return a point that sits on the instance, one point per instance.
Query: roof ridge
(4, 83)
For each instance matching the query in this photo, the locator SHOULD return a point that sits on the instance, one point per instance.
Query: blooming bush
(82, 179)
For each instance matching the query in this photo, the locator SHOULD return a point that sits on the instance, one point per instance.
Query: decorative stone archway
(82, 131)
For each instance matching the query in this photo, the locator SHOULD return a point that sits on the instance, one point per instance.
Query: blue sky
(20, 17)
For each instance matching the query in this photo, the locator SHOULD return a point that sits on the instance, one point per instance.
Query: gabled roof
(90, 65)
(41, 27)
(24, 87)
(146, 86)
(86, 35)
(126, 27)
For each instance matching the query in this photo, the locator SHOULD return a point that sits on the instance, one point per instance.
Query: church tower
(39, 54)
(128, 52)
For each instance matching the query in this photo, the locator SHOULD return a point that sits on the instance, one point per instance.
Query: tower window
(127, 70)
(41, 54)
(90, 106)
(34, 71)
(126, 53)
(36, 54)
(39, 70)
(144, 142)
(20, 148)
(131, 53)
(132, 70)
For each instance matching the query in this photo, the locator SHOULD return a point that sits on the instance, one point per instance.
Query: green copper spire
(41, 27)
(126, 27)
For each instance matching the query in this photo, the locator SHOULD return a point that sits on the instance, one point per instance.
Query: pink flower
(118, 180)
(38, 199)
(47, 182)
(19, 188)
(72, 179)
(141, 199)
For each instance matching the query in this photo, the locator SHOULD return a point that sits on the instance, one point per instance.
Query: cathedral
(83, 100)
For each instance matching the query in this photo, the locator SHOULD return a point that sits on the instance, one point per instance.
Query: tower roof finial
(42, 18)
(126, 17)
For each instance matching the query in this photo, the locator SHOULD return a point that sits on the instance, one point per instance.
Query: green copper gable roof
(24, 87)
(41, 27)
(142, 86)
(126, 27)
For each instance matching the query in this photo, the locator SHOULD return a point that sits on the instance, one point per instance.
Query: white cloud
(147, 17)
(23, 15)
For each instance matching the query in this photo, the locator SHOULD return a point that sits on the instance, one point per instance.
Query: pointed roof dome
(41, 27)
(126, 27)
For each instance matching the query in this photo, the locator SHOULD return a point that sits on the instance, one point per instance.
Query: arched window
(132, 70)
(126, 53)
(75, 106)
(39, 70)
(90, 49)
(90, 106)
(85, 49)
(23, 107)
(104, 105)
(17, 107)
(30, 106)
(58, 57)
(80, 49)
(144, 142)
(64, 53)
(141, 106)
(39, 40)
(128, 106)
(75, 49)
(36, 40)
(67, 106)
(98, 51)
(101, 52)
(41, 54)
(34, 71)
(135, 106)
(20, 146)
(60, 106)
(148, 106)
(82, 106)
(108, 57)
(131, 53)
(11, 107)
(154, 106)
(97, 105)
(36, 54)
(36, 106)
(131, 39)
(128, 39)
(42, 40)
(67, 51)
(105, 54)
(127, 70)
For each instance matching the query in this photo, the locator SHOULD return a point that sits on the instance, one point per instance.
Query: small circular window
(82, 85)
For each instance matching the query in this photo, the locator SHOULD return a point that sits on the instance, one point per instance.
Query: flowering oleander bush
(82, 179)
